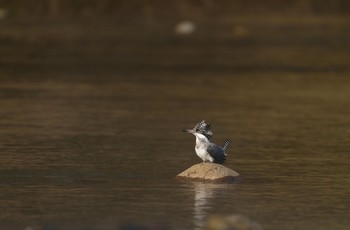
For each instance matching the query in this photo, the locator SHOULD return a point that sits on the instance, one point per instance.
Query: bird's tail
(227, 143)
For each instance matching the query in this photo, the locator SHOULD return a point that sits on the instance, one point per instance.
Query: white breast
(201, 148)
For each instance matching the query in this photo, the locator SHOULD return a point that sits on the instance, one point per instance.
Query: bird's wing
(217, 153)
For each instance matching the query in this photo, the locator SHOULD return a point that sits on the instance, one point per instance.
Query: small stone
(240, 31)
(209, 171)
(236, 222)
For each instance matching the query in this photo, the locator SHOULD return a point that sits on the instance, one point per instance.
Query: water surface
(90, 131)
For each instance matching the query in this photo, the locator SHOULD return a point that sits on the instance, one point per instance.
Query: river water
(90, 128)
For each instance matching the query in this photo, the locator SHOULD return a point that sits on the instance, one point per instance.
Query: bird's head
(201, 128)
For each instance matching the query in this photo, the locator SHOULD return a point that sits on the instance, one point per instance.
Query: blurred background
(156, 36)
(94, 95)
(135, 9)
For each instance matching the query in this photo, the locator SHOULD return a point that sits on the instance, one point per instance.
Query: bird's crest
(204, 128)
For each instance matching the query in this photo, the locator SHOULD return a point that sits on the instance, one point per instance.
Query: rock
(236, 222)
(209, 171)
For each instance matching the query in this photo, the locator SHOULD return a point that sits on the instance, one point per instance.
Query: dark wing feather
(217, 153)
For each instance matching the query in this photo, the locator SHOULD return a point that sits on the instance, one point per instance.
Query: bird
(205, 149)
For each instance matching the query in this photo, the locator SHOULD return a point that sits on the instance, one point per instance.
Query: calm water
(90, 128)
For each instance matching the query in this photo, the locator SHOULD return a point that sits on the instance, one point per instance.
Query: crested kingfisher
(205, 149)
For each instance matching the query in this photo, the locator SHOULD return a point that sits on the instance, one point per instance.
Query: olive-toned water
(90, 127)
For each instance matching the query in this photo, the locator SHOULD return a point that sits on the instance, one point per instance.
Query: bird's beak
(188, 130)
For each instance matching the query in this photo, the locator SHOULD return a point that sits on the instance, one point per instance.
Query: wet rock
(209, 171)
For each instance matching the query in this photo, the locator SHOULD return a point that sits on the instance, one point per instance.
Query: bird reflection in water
(204, 199)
